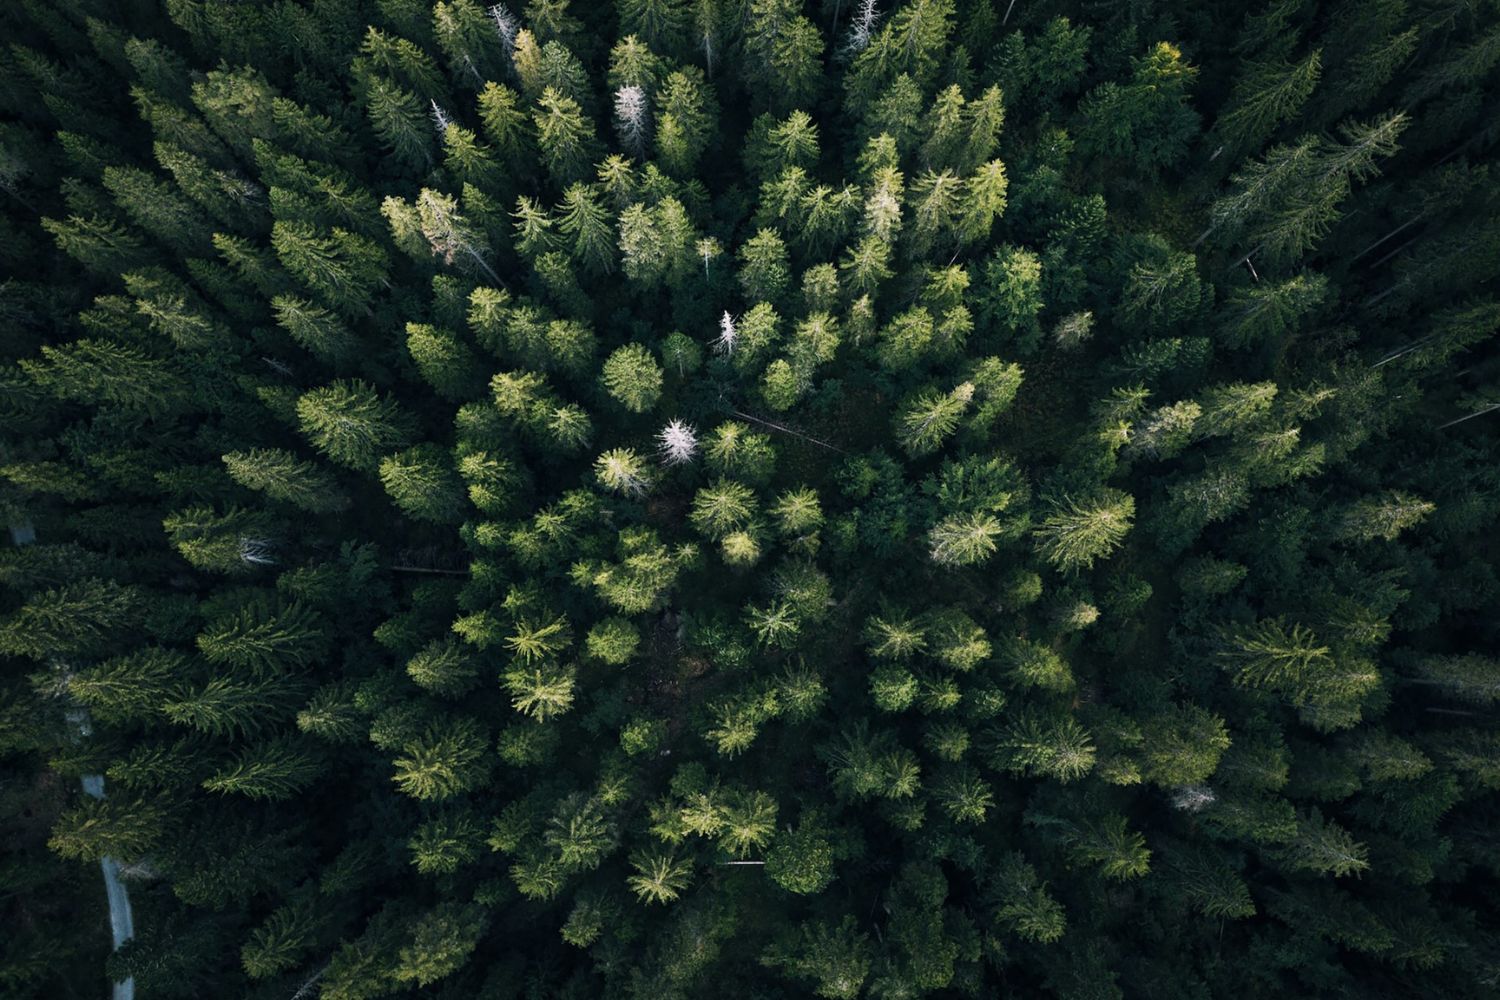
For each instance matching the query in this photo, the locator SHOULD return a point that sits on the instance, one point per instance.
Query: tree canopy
(665, 498)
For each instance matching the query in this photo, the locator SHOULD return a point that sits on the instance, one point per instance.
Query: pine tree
(584, 220)
(661, 24)
(659, 877)
(443, 761)
(341, 268)
(785, 52)
(236, 542)
(1289, 198)
(801, 859)
(157, 207)
(443, 667)
(281, 475)
(1384, 516)
(275, 770)
(632, 376)
(100, 828)
(446, 843)
(1119, 852)
(1324, 848)
(440, 942)
(98, 243)
(1269, 654)
(399, 119)
(423, 483)
(1077, 533)
(444, 360)
(226, 706)
(281, 942)
(1058, 748)
(469, 40)
(764, 271)
(317, 330)
(837, 959)
(1023, 904)
(1266, 311)
(116, 375)
(684, 120)
(447, 231)
(131, 687)
(1269, 93)
(1012, 294)
(505, 123)
(1145, 121)
(77, 619)
(564, 136)
(350, 423)
(265, 639)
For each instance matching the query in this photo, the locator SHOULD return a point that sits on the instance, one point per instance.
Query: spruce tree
(848, 499)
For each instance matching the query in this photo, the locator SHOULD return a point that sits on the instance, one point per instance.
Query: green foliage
(77, 619)
(339, 267)
(439, 943)
(264, 639)
(1077, 533)
(614, 641)
(836, 959)
(280, 475)
(423, 483)
(351, 423)
(442, 761)
(801, 859)
(275, 770)
(444, 668)
(632, 376)
(544, 500)
(659, 877)
(1144, 121)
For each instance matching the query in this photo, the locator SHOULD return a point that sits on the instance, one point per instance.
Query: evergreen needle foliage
(763, 498)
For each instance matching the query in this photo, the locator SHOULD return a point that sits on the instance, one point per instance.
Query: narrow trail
(121, 922)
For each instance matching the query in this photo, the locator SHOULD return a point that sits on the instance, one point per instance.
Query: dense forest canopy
(754, 498)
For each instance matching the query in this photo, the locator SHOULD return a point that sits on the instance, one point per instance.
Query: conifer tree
(442, 761)
(679, 581)
(1146, 121)
(116, 375)
(1079, 532)
(316, 329)
(1268, 94)
(280, 475)
(350, 423)
(423, 483)
(684, 120)
(341, 268)
(632, 376)
(565, 137)
(263, 640)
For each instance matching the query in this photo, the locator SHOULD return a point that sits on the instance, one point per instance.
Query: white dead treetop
(440, 119)
(450, 235)
(708, 248)
(679, 443)
(861, 29)
(506, 25)
(1192, 798)
(727, 334)
(1072, 330)
(257, 551)
(883, 211)
(633, 118)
